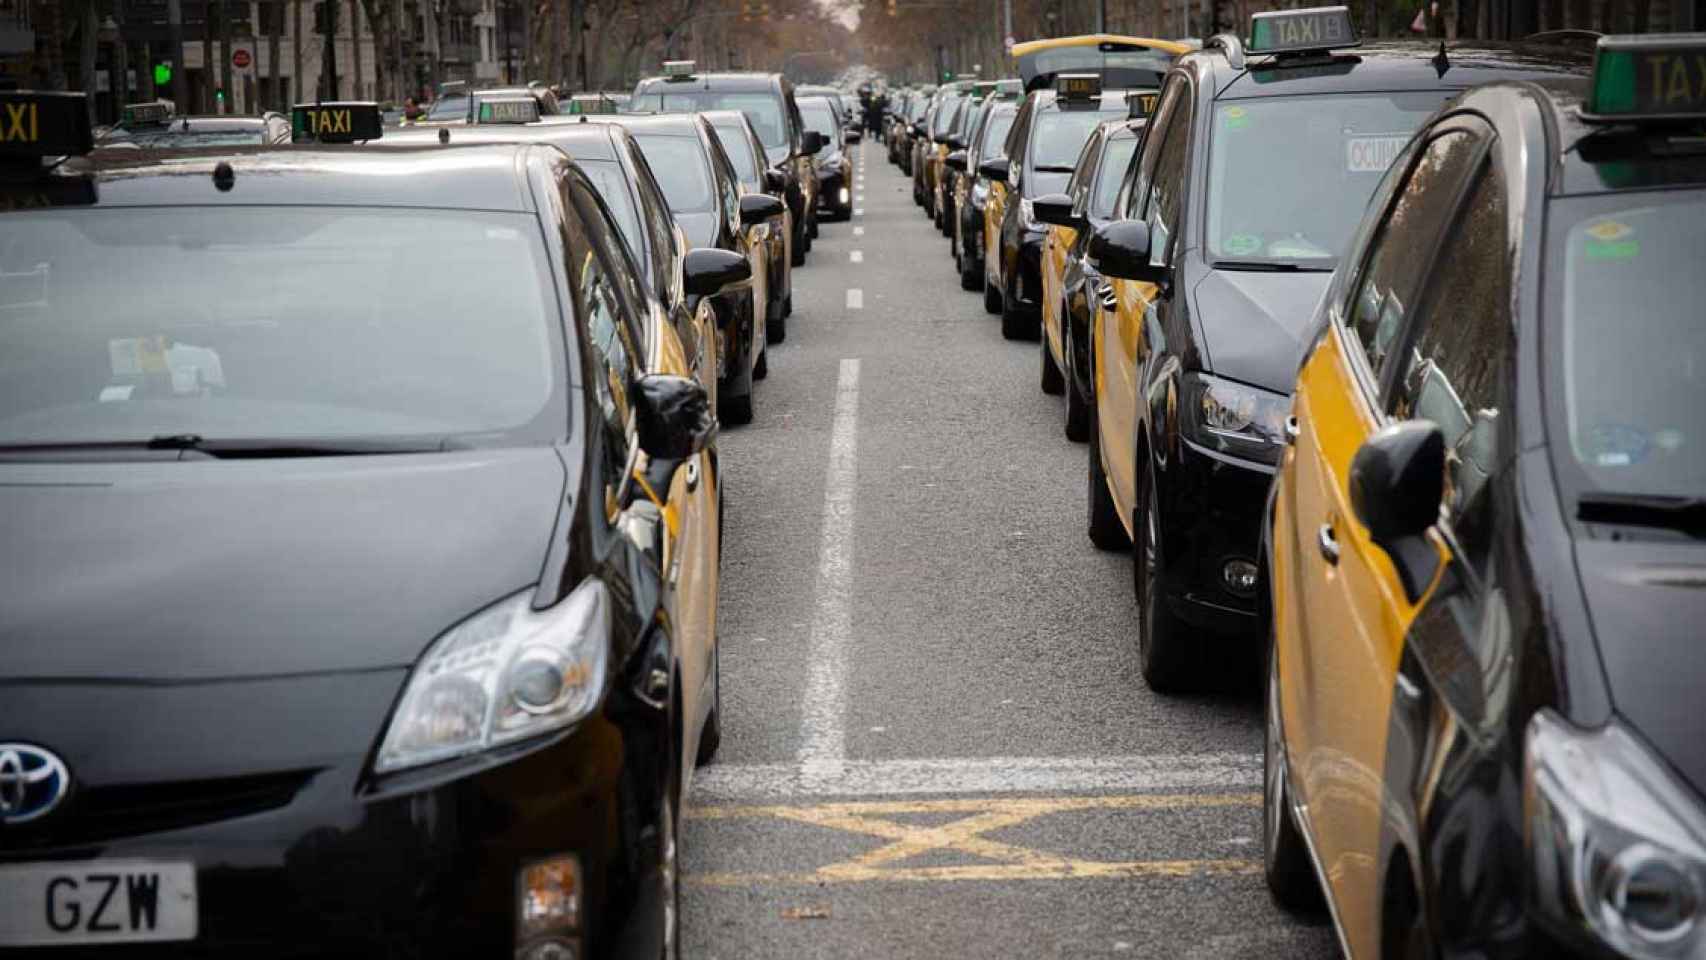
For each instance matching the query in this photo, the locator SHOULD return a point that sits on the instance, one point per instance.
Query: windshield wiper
(233, 448)
(1268, 266)
(1053, 168)
(1685, 514)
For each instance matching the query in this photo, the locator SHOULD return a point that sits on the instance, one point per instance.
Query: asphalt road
(936, 740)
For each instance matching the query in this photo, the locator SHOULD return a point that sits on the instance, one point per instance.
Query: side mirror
(709, 271)
(1121, 249)
(918, 129)
(812, 141)
(956, 161)
(854, 135)
(775, 181)
(759, 207)
(1397, 482)
(1056, 209)
(995, 169)
(672, 416)
(956, 142)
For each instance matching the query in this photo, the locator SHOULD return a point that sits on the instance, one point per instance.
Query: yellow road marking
(967, 836)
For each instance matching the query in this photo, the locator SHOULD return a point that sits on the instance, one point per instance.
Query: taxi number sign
(1077, 86)
(1650, 82)
(43, 124)
(322, 122)
(1373, 154)
(509, 111)
(1323, 28)
(343, 122)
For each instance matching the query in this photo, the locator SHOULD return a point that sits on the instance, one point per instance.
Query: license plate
(99, 901)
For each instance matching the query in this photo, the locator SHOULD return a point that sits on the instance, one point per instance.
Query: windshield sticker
(1611, 240)
(1373, 154)
(1236, 118)
(1617, 445)
(1242, 244)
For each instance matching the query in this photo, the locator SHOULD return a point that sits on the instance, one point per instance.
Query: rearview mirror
(759, 207)
(812, 141)
(672, 416)
(956, 161)
(1121, 249)
(709, 271)
(1397, 481)
(1056, 209)
(995, 169)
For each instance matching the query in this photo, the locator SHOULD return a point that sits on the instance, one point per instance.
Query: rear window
(739, 148)
(763, 109)
(679, 164)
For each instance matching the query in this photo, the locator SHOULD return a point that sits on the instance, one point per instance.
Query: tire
(711, 737)
(788, 305)
(1053, 383)
(811, 230)
(1169, 659)
(761, 369)
(776, 328)
(1285, 858)
(797, 256)
(669, 865)
(1016, 324)
(737, 410)
(1104, 520)
(969, 274)
(1077, 406)
(991, 298)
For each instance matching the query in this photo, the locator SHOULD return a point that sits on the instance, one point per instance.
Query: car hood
(1253, 324)
(700, 228)
(202, 570)
(1647, 601)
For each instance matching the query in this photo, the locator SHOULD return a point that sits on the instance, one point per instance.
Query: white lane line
(858, 211)
(855, 298)
(823, 748)
(858, 231)
(856, 256)
(975, 775)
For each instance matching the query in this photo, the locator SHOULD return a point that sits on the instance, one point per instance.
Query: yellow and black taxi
(833, 164)
(1072, 288)
(407, 682)
(930, 144)
(986, 139)
(768, 101)
(1216, 270)
(155, 126)
(906, 128)
(704, 194)
(740, 141)
(1049, 131)
(947, 174)
(1483, 723)
(458, 104)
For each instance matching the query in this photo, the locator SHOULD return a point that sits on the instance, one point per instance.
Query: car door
(995, 209)
(1127, 335)
(749, 239)
(1350, 609)
(1058, 242)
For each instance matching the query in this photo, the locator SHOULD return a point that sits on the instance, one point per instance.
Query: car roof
(666, 124)
(1602, 158)
(587, 139)
(1394, 65)
(474, 177)
(715, 81)
(1049, 100)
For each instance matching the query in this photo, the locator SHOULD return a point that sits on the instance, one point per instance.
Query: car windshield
(189, 135)
(449, 108)
(1116, 156)
(995, 135)
(1267, 152)
(739, 148)
(680, 167)
(763, 109)
(944, 119)
(612, 185)
(122, 325)
(1633, 379)
(1058, 136)
(818, 116)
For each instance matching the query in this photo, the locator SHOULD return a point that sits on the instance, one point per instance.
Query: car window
(995, 135)
(660, 225)
(1059, 135)
(610, 328)
(739, 148)
(1084, 168)
(1400, 251)
(1155, 136)
(1168, 182)
(679, 163)
(763, 109)
(1110, 173)
(612, 185)
(1460, 360)
(727, 181)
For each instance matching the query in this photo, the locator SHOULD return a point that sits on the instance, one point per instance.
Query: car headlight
(1235, 419)
(1617, 845)
(506, 673)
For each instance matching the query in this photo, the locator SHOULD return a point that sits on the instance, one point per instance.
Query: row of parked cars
(1378, 348)
(361, 511)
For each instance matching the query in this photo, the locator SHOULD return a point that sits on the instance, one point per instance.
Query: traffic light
(163, 73)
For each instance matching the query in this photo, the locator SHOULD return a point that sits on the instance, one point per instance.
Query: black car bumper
(427, 863)
(1211, 510)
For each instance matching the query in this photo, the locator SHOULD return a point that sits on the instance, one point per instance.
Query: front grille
(102, 813)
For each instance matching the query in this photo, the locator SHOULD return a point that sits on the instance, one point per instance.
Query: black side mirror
(1121, 249)
(1056, 209)
(759, 207)
(955, 142)
(854, 135)
(956, 161)
(1397, 482)
(812, 141)
(995, 169)
(709, 271)
(918, 129)
(672, 416)
(775, 181)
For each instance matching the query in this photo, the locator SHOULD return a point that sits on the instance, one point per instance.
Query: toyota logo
(32, 782)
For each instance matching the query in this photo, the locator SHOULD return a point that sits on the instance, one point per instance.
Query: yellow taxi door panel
(1118, 391)
(993, 212)
(1055, 248)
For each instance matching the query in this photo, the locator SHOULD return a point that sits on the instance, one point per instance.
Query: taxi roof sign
(1078, 86)
(1648, 77)
(1314, 30)
(679, 69)
(338, 122)
(150, 114)
(1140, 103)
(508, 110)
(35, 125)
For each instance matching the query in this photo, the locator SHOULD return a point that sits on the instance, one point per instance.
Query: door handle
(1328, 542)
(692, 471)
(1105, 293)
(1291, 429)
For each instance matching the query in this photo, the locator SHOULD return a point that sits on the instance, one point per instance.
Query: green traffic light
(162, 74)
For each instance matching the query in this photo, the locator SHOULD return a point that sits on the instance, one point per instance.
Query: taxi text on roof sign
(509, 110)
(35, 125)
(1078, 86)
(145, 114)
(1317, 28)
(1648, 77)
(681, 69)
(335, 122)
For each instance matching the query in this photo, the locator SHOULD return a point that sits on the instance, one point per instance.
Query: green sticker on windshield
(1236, 118)
(1242, 244)
(1611, 240)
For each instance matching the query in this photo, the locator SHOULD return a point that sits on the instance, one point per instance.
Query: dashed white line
(858, 211)
(823, 748)
(856, 256)
(858, 231)
(974, 775)
(855, 298)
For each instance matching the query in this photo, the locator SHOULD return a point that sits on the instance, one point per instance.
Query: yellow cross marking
(967, 835)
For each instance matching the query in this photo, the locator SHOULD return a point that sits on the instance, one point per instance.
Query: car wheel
(1105, 530)
(761, 369)
(798, 256)
(1285, 859)
(669, 886)
(776, 328)
(1052, 382)
(711, 737)
(811, 230)
(1168, 659)
(1077, 405)
(734, 402)
(788, 305)
(991, 298)
(1016, 323)
(970, 274)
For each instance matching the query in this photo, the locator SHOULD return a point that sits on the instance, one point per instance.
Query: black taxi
(986, 139)
(340, 631)
(1483, 723)
(1217, 266)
